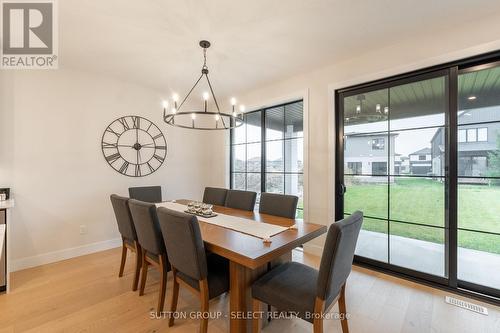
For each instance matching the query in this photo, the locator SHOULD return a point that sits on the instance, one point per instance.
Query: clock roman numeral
(137, 170)
(136, 122)
(124, 167)
(124, 123)
(157, 136)
(150, 167)
(110, 130)
(108, 145)
(113, 158)
(161, 147)
(158, 158)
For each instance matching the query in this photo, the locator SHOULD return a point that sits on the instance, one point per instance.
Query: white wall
(50, 130)
(415, 52)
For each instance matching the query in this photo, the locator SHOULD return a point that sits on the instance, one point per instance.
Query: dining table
(249, 256)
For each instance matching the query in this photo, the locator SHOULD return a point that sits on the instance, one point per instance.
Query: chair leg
(256, 317)
(343, 311)
(318, 319)
(138, 264)
(204, 305)
(124, 258)
(144, 273)
(163, 284)
(175, 298)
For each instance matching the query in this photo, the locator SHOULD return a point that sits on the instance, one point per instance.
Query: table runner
(246, 226)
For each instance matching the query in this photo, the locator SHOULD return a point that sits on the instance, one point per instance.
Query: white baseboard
(50, 257)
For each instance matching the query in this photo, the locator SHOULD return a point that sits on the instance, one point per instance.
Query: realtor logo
(29, 34)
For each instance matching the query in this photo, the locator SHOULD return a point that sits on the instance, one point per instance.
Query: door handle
(342, 189)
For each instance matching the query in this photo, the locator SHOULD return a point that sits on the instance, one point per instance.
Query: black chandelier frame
(234, 119)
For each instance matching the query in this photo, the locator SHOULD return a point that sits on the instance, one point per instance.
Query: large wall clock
(134, 146)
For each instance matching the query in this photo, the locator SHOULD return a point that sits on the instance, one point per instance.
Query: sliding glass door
(478, 146)
(394, 170)
(419, 154)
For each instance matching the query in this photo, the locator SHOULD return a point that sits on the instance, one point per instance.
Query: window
(378, 144)
(482, 134)
(267, 152)
(462, 136)
(471, 135)
(421, 157)
(355, 168)
(379, 168)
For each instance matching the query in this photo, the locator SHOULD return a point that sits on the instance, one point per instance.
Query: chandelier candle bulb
(242, 108)
(233, 101)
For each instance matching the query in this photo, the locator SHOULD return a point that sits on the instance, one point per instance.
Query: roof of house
(422, 152)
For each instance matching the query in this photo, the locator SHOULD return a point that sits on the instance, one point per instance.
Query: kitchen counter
(5, 225)
(6, 204)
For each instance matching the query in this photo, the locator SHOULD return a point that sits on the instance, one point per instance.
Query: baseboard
(313, 249)
(50, 257)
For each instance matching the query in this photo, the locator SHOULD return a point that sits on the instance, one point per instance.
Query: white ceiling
(155, 42)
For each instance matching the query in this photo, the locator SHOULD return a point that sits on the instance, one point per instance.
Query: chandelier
(203, 117)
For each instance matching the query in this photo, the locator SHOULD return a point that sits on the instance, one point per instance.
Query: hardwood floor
(85, 295)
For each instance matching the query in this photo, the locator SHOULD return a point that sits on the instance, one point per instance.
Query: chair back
(241, 199)
(145, 193)
(146, 226)
(215, 196)
(278, 204)
(183, 241)
(123, 217)
(338, 253)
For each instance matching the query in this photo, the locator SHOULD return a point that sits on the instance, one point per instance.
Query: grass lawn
(422, 200)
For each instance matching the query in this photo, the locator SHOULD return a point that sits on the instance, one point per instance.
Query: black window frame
(453, 70)
(263, 141)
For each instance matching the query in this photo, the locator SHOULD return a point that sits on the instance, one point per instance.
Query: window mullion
(263, 150)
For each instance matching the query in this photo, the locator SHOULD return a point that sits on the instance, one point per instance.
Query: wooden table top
(251, 251)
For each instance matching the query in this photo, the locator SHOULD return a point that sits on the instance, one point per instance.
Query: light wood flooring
(84, 294)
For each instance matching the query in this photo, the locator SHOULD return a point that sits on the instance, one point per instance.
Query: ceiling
(425, 97)
(155, 43)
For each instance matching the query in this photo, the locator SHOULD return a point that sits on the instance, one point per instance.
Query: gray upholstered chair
(150, 238)
(238, 199)
(215, 196)
(145, 193)
(278, 204)
(205, 275)
(129, 236)
(307, 291)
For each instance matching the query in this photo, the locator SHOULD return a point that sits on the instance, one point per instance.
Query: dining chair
(207, 276)
(278, 204)
(145, 193)
(150, 238)
(129, 236)
(215, 196)
(238, 199)
(308, 292)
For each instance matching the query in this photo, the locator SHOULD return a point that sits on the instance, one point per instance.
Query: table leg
(240, 296)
